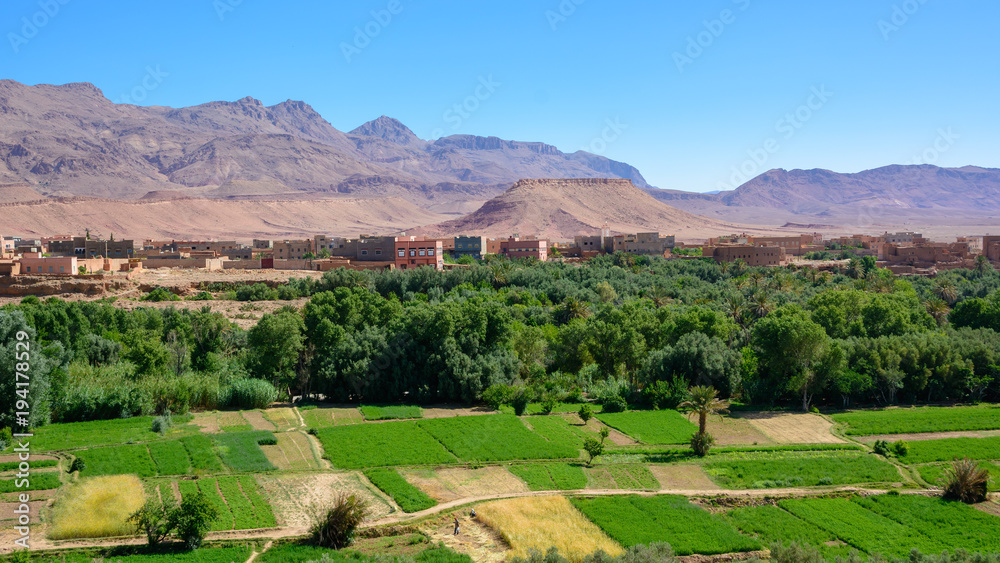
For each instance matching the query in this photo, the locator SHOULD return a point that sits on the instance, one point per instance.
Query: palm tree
(982, 265)
(854, 268)
(762, 304)
(946, 290)
(937, 309)
(704, 401)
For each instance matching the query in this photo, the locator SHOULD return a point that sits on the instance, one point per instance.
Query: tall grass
(96, 508)
(543, 522)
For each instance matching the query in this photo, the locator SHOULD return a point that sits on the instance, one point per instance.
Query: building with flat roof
(535, 248)
(411, 253)
(469, 246)
(749, 254)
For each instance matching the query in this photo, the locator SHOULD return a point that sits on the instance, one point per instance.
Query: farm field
(326, 416)
(96, 433)
(919, 419)
(283, 418)
(634, 520)
(934, 473)
(947, 449)
(292, 495)
(771, 524)
(391, 412)
(792, 428)
(621, 476)
(682, 476)
(540, 522)
(381, 445)
(550, 476)
(761, 470)
(408, 497)
(96, 507)
(293, 452)
(454, 483)
(652, 427)
(494, 438)
(241, 450)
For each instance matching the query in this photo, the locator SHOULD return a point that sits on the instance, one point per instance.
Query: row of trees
(645, 328)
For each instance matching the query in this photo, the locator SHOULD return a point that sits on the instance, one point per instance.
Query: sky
(699, 96)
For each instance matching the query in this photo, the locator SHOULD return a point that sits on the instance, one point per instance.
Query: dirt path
(256, 553)
(920, 436)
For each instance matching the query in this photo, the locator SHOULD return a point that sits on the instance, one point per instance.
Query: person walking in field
(456, 525)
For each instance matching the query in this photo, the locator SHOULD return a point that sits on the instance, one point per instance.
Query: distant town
(904, 253)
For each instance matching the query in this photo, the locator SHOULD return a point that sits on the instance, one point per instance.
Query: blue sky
(697, 95)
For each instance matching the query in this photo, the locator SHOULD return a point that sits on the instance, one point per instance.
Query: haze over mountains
(199, 167)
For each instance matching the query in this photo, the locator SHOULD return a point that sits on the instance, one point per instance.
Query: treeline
(625, 329)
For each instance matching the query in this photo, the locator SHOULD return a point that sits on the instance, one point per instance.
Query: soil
(453, 483)
(257, 421)
(294, 496)
(917, 437)
(793, 428)
(285, 418)
(682, 477)
(475, 539)
(293, 452)
(615, 437)
(735, 431)
(444, 411)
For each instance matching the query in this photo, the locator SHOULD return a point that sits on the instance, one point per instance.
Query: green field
(550, 476)
(103, 432)
(35, 464)
(391, 412)
(652, 427)
(558, 430)
(633, 520)
(622, 476)
(947, 449)
(117, 460)
(36, 482)
(935, 473)
(238, 499)
(358, 446)
(773, 470)
(498, 437)
(300, 553)
(408, 497)
(919, 419)
(241, 450)
(201, 452)
(952, 524)
(142, 554)
(170, 457)
(772, 524)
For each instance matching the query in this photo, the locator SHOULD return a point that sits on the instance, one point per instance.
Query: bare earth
(916, 437)
(682, 477)
(293, 497)
(733, 430)
(475, 539)
(257, 420)
(453, 483)
(793, 428)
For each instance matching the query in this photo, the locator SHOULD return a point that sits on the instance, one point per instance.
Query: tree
(704, 401)
(155, 519)
(593, 449)
(21, 352)
(334, 527)
(193, 518)
(585, 413)
(789, 345)
(276, 342)
(946, 290)
(700, 359)
(966, 481)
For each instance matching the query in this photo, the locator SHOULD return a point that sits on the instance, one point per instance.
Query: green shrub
(520, 402)
(334, 528)
(247, 393)
(881, 447)
(162, 423)
(900, 448)
(160, 294)
(701, 443)
(585, 413)
(498, 395)
(193, 518)
(966, 481)
(615, 403)
(256, 292)
(665, 395)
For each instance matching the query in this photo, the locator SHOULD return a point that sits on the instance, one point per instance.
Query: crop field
(170, 457)
(934, 473)
(559, 430)
(633, 520)
(238, 498)
(292, 452)
(241, 450)
(947, 449)
(391, 412)
(652, 427)
(283, 418)
(380, 445)
(75, 435)
(494, 438)
(771, 524)
(38, 482)
(764, 470)
(550, 476)
(446, 484)
(128, 554)
(325, 417)
(683, 477)
(118, 460)
(408, 497)
(96, 507)
(201, 453)
(375, 550)
(541, 522)
(622, 476)
(292, 496)
(949, 523)
(920, 419)
(35, 464)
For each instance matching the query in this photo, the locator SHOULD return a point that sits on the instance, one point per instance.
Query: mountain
(70, 140)
(562, 208)
(901, 187)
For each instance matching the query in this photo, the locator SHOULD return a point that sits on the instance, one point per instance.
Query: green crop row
(652, 427)
(550, 476)
(407, 496)
(922, 419)
(391, 412)
(770, 471)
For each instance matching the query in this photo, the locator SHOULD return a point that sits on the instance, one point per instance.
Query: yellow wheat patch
(542, 522)
(97, 507)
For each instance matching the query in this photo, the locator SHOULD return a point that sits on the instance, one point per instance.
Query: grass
(118, 460)
(953, 524)
(560, 408)
(262, 509)
(210, 488)
(391, 412)
(241, 450)
(542, 522)
(550, 476)
(652, 427)
(633, 520)
(861, 528)
(35, 464)
(36, 482)
(947, 449)
(622, 476)
(922, 419)
(494, 438)
(96, 508)
(103, 432)
(202, 454)
(241, 508)
(407, 496)
(299, 552)
(325, 417)
(558, 430)
(170, 457)
(379, 445)
(142, 554)
(934, 474)
(764, 471)
(772, 524)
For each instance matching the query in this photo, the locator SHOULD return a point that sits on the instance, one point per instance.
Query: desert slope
(560, 209)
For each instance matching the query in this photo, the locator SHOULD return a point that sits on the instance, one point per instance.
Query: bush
(881, 447)
(966, 481)
(193, 518)
(335, 527)
(6, 438)
(160, 294)
(247, 393)
(154, 519)
(498, 395)
(256, 292)
(615, 403)
(77, 465)
(665, 395)
(549, 404)
(162, 423)
(701, 442)
(585, 413)
(520, 402)
(900, 448)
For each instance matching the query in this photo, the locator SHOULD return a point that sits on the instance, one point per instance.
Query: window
(413, 253)
(29, 268)
(402, 253)
(430, 253)
(378, 252)
(422, 253)
(62, 269)
(364, 253)
(50, 269)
